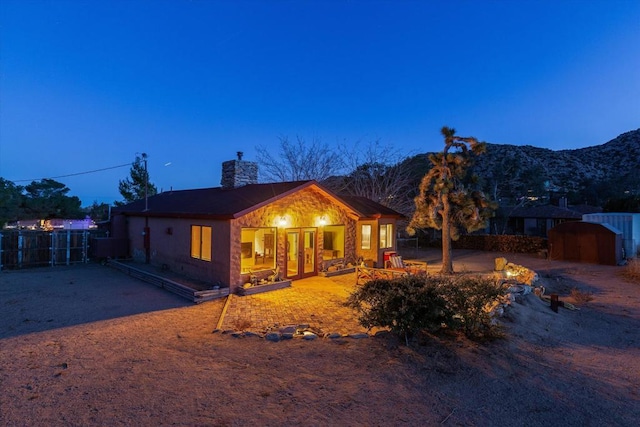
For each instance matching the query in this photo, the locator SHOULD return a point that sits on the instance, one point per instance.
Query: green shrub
(411, 304)
(472, 298)
(405, 305)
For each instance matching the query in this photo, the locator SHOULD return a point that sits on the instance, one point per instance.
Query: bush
(405, 305)
(632, 271)
(473, 298)
(411, 304)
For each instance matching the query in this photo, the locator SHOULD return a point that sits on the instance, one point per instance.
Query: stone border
(289, 332)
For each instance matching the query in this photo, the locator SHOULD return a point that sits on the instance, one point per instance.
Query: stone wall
(236, 173)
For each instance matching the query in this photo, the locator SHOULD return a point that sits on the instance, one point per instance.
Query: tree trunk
(447, 262)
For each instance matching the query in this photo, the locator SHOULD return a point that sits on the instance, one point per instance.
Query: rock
(290, 329)
(359, 335)
(252, 334)
(334, 335)
(309, 336)
(272, 336)
(500, 263)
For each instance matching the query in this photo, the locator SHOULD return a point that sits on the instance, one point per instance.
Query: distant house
(53, 224)
(225, 234)
(538, 220)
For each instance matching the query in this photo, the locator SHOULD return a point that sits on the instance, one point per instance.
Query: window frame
(387, 241)
(201, 239)
(365, 244)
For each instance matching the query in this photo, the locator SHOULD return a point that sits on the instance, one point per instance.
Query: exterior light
(282, 221)
(322, 221)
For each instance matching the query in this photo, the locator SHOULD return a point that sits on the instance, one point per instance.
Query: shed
(586, 242)
(627, 223)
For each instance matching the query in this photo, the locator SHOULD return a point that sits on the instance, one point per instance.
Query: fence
(25, 248)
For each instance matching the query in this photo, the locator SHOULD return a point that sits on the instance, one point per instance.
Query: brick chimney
(236, 173)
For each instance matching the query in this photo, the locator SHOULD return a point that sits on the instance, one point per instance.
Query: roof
(220, 203)
(548, 211)
(368, 208)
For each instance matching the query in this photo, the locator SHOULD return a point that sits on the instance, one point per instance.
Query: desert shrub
(405, 305)
(472, 298)
(632, 271)
(411, 304)
(581, 297)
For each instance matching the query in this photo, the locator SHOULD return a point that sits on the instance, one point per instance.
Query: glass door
(301, 252)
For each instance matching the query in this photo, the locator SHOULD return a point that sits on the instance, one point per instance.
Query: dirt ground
(86, 345)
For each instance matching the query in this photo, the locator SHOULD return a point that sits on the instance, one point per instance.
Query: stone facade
(304, 209)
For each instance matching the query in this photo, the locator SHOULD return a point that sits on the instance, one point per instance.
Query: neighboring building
(586, 242)
(224, 234)
(538, 220)
(52, 224)
(628, 224)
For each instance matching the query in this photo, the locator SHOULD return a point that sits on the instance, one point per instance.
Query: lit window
(386, 236)
(366, 236)
(201, 242)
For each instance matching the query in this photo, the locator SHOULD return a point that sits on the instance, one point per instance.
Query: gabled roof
(219, 203)
(367, 208)
(548, 211)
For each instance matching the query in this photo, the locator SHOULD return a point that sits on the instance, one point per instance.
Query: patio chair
(396, 262)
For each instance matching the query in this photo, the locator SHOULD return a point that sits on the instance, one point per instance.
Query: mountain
(587, 175)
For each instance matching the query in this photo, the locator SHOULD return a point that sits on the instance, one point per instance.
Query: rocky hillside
(587, 175)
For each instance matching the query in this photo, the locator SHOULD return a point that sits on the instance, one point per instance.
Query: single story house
(538, 220)
(223, 235)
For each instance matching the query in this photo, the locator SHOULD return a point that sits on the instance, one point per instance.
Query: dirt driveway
(88, 346)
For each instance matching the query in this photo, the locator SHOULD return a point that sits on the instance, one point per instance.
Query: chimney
(236, 173)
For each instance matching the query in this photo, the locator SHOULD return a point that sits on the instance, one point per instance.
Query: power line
(75, 174)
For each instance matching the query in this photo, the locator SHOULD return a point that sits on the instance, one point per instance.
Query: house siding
(170, 241)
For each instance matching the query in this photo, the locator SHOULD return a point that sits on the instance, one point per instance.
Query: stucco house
(223, 235)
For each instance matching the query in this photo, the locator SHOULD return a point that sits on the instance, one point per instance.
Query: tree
(299, 161)
(11, 199)
(138, 185)
(98, 212)
(374, 171)
(378, 173)
(48, 198)
(446, 201)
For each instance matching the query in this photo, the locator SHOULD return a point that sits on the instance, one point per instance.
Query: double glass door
(301, 252)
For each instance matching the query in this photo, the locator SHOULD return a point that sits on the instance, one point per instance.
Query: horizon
(87, 86)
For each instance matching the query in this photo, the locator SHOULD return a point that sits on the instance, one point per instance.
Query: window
(257, 249)
(386, 236)
(333, 241)
(201, 242)
(366, 236)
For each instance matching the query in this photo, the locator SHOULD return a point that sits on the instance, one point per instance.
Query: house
(538, 220)
(225, 235)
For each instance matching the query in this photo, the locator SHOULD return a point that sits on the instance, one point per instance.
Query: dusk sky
(85, 85)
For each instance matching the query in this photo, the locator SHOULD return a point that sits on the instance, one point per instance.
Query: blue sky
(85, 85)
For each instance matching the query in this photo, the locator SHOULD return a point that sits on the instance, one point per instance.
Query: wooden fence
(26, 248)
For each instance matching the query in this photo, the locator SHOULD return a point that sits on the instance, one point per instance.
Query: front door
(301, 253)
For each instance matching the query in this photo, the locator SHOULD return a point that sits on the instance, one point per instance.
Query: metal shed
(586, 242)
(627, 223)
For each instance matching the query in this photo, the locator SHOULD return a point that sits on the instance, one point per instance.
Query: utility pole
(146, 183)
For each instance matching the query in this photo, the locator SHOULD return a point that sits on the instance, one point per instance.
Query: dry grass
(581, 297)
(632, 271)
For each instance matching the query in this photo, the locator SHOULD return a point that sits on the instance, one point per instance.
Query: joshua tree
(444, 201)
